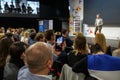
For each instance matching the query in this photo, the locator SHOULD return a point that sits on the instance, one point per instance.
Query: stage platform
(112, 34)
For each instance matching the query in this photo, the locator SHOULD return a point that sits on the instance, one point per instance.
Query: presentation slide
(33, 6)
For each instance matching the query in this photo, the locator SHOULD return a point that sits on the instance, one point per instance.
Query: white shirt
(98, 21)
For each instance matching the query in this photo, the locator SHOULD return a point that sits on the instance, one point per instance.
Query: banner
(76, 16)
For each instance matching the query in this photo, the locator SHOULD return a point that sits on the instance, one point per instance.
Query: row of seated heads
(9, 47)
(9, 43)
(79, 41)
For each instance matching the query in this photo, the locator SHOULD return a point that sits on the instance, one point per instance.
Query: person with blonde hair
(101, 40)
(25, 36)
(40, 37)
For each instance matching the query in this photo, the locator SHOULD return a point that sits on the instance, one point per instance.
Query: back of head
(96, 48)
(4, 49)
(80, 44)
(37, 56)
(8, 35)
(17, 49)
(32, 35)
(39, 37)
(64, 32)
(49, 34)
(116, 53)
(100, 39)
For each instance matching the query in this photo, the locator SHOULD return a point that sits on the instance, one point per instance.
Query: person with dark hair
(10, 36)
(11, 7)
(29, 9)
(31, 39)
(6, 7)
(23, 8)
(96, 48)
(16, 61)
(69, 43)
(98, 23)
(4, 53)
(50, 37)
(18, 8)
(99, 65)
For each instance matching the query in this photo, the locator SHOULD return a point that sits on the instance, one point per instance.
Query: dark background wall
(54, 9)
(109, 10)
(18, 22)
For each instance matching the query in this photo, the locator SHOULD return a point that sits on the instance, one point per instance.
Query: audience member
(69, 43)
(99, 65)
(25, 36)
(50, 37)
(101, 40)
(40, 37)
(80, 50)
(29, 9)
(10, 36)
(4, 52)
(39, 61)
(6, 7)
(23, 8)
(18, 8)
(31, 39)
(116, 53)
(16, 61)
(11, 7)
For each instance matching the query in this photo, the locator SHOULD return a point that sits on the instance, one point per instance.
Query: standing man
(98, 23)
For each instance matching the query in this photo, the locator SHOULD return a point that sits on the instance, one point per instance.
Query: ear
(22, 56)
(49, 64)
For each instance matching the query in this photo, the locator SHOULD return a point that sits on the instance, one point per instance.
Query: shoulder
(10, 71)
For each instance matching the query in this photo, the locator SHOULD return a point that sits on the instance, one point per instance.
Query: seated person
(6, 7)
(99, 65)
(29, 9)
(23, 8)
(39, 61)
(116, 53)
(69, 42)
(80, 50)
(17, 50)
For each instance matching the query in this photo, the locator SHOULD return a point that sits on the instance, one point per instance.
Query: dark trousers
(98, 28)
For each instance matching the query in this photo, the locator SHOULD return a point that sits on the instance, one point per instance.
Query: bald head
(37, 55)
(116, 53)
